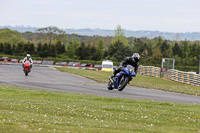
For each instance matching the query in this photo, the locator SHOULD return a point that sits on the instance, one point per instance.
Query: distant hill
(128, 33)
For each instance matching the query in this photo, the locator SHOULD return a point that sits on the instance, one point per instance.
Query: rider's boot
(112, 78)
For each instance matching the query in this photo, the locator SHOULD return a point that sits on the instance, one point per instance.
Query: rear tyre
(123, 84)
(110, 86)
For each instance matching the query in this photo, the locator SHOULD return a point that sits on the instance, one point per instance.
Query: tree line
(53, 42)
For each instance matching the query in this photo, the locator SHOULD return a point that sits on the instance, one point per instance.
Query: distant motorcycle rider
(133, 61)
(27, 58)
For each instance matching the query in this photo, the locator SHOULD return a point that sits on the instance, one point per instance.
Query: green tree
(106, 55)
(39, 49)
(52, 50)
(1, 47)
(45, 50)
(10, 36)
(29, 48)
(118, 51)
(157, 56)
(177, 50)
(60, 48)
(139, 46)
(53, 33)
(19, 48)
(94, 54)
(99, 51)
(13, 49)
(145, 52)
(87, 52)
(119, 36)
(81, 51)
(84, 52)
(185, 50)
(32, 48)
(159, 41)
(165, 49)
(7, 48)
(71, 48)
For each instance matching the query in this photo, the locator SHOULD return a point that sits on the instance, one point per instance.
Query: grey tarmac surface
(46, 78)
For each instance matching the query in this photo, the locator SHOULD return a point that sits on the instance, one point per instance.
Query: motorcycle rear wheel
(123, 84)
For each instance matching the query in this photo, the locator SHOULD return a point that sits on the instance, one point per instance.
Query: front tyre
(26, 72)
(123, 84)
(110, 86)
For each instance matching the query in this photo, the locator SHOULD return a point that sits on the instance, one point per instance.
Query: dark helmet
(136, 57)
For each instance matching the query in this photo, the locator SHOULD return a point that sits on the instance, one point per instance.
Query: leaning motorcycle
(27, 67)
(121, 79)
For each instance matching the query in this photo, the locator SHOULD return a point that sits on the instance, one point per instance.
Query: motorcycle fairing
(122, 74)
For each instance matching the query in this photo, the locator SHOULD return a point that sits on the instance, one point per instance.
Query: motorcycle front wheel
(110, 86)
(123, 84)
(26, 72)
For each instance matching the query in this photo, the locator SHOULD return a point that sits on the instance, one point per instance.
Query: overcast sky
(162, 15)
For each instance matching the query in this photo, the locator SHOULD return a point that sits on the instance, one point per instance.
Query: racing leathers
(25, 59)
(124, 63)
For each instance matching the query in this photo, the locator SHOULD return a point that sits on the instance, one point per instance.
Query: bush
(188, 68)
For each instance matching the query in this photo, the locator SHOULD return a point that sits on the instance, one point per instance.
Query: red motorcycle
(27, 67)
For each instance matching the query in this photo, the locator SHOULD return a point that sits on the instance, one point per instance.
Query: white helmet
(28, 56)
(136, 57)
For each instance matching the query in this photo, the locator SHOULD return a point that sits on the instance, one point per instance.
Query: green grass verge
(140, 81)
(27, 110)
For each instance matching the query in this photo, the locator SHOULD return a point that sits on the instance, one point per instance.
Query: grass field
(140, 80)
(27, 110)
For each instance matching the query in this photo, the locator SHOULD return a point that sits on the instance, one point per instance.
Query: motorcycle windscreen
(126, 70)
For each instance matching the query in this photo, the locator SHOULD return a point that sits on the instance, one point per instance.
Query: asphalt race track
(46, 78)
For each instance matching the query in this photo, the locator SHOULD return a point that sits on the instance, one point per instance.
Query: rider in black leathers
(133, 61)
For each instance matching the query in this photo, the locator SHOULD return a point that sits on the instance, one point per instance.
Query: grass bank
(27, 110)
(140, 81)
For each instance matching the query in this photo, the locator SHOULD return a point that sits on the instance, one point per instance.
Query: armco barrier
(149, 71)
(61, 63)
(185, 77)
(45, 62)
(37, 62)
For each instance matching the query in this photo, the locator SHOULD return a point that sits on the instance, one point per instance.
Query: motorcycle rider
(133, 61)
(28, 57)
